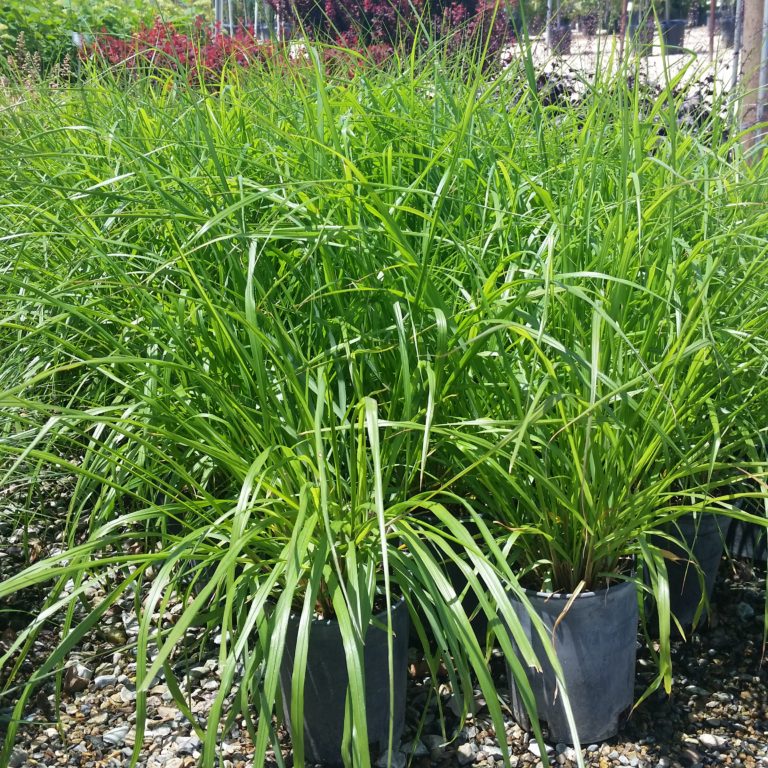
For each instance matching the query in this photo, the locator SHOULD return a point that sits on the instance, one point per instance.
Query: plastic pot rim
(597, 593)
(333, 623)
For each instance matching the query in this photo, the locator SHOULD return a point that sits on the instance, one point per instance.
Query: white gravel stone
(419, 749)
(199, 673)
(433, 741)
(465, 753)
(186, 745)
(398, 760)
(76, 678)
(455, 702)
(82, 671)
(712, 741)
(102, 681)
(127, 695)
(116, 736)
(534, 749)
(722, 696)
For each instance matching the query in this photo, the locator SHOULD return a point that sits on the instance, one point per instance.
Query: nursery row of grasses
(307, 335)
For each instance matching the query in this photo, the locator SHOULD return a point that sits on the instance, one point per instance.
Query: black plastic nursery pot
(640, 31)
(705, 536)
(560, 39)
(326, 682)
(698, 17)
(748, 541)
(744, 540)
(673, 35)
(727, 30)
(595, 642)
(470, 603)
(589, 23)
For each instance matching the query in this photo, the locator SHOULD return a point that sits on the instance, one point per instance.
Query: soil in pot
(595, 642)
(705, 536)
(326, 682)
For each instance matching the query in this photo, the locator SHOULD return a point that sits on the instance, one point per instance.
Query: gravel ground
(716, 715)
(655, 67)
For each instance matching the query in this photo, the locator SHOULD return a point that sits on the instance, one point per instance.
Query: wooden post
(738, 26)
(622, 29)
(548, 28)
(752, 45)
(762, 92)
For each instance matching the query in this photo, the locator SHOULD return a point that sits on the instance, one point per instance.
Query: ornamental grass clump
(290, 334)
(628, 333)
(230, 316)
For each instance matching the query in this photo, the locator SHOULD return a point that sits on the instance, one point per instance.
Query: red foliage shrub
(371, 27)
(392, 23)
(201, 54)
